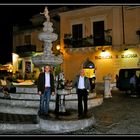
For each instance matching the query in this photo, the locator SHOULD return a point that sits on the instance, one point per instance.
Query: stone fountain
(47, 36)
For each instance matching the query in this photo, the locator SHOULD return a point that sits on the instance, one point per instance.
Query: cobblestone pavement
(119, 115)
(17, 119)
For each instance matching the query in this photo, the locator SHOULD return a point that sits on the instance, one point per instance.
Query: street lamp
(57, 50)
(58, 47)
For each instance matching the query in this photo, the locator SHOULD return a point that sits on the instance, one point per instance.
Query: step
(31, 106)
(29, 124)
(18, 118)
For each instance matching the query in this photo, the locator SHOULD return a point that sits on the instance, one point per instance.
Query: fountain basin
(42, 60)
(48, 37)
(26, 101)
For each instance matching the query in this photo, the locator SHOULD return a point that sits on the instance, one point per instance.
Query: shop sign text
(129, 55)
(103, 57)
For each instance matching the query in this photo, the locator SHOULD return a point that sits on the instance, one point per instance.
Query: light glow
(58, 47)
(14, 57)
(105, 54)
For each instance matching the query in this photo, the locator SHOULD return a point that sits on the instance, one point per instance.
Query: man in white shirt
(45, 89)
(82, 85)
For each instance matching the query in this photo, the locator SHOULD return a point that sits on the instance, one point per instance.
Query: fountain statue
(48, 37)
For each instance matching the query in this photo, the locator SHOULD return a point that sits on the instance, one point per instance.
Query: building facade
(114, 32)
(107, 36)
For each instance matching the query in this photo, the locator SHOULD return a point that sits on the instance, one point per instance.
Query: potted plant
(67, 39)
(108, 37)
(90, 39)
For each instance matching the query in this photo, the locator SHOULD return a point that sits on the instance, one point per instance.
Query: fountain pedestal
(62, 93)
(107, 86)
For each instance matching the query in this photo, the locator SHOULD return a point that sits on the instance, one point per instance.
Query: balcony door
(98, 32)
(77, 34)
(77, 31)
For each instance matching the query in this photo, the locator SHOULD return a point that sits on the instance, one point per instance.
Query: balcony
(85, 42)
(26, 50)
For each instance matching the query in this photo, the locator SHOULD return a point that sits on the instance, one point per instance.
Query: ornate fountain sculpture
(48, 37)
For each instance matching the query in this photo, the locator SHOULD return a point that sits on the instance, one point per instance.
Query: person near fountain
(82, 84)
(46, 88)
(134, 84)
(60, 80)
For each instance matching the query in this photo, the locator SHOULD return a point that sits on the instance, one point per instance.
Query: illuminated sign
(103, 57)
(131, 55)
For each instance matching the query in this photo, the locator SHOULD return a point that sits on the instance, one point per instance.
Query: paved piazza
(116, 116)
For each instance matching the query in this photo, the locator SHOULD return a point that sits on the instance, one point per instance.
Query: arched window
(88, 64)
(89, 68)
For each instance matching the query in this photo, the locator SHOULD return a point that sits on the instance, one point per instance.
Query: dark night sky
(10, 15)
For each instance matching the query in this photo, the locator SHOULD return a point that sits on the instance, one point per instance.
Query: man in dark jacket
(82, 85)
(45, 89)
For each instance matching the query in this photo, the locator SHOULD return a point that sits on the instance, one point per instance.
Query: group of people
(6, 86)
(46, 88)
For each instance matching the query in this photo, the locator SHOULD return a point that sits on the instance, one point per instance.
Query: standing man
(45, 89)
(134, 84)
(82, 85)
